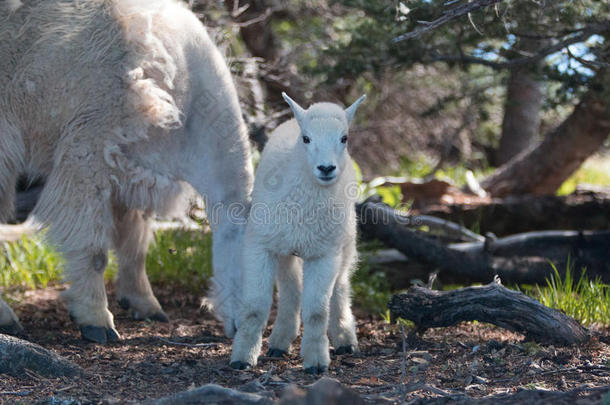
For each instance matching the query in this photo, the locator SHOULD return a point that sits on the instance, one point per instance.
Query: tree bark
(542, 168)
(17, 356)
(491, 303)
(524, 98)
(212, 394)
(255, 30)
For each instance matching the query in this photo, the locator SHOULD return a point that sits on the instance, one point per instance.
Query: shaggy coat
(302, 232)
(118, 105)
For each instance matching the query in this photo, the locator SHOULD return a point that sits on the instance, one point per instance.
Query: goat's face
(324, 135)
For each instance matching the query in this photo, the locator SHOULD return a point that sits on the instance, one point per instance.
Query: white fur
(296, 213)
(13, 5)
(118, 104)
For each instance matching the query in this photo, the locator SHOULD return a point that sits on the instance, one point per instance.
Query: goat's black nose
(327, 169)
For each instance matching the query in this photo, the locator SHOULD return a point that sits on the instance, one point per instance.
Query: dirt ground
(155, 359)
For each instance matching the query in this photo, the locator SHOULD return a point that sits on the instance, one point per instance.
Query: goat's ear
(297, 110)
(350, 111)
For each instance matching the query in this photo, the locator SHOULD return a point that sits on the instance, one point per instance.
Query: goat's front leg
(342, 325)
(318, 281)
(259, 267)
(76, 203)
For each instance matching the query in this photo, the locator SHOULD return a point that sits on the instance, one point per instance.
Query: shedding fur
(302, 205)
(103, 100)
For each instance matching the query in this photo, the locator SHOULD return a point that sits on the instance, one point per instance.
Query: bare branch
(449, 15)
(582, 36)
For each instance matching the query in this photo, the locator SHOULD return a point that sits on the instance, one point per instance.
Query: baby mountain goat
(302, 230)
(117, 105)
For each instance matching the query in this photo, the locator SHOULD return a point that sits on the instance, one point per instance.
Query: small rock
(244, 376)
(252, 386)
(329, 391)
(292, 395)
(276, 378)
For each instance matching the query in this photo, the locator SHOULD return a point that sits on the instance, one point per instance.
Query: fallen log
(324, 391)
(212, 394)
(538, 243)
(518, 259)
(491, 303)
(585, 394)
(582, 210)
(17, 356)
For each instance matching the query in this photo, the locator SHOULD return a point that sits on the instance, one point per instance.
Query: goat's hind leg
(286, 326)
(131, 241)
(9, 323)
(11, 154)
(7, 196)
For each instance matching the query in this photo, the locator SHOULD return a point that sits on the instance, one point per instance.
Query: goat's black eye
(306, 139)
(344, 139)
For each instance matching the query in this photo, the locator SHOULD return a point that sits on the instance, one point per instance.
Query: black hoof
(159, 317)
(277, 353)
(13, 328)
(112, 335)
(315, 370)
(124, 303)
(349, 349)
(241, 365)
(99, 334)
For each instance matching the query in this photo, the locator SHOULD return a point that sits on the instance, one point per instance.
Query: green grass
(595, 171)
(587, 300)
(371, 289)
(28, 264)
(177, 258)
(181, 258)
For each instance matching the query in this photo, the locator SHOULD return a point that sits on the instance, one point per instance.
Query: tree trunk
(524, 98)
(255, 30)
(542, 168)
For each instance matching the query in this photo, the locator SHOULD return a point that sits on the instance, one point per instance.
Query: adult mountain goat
(302, 205)
(118, 104)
